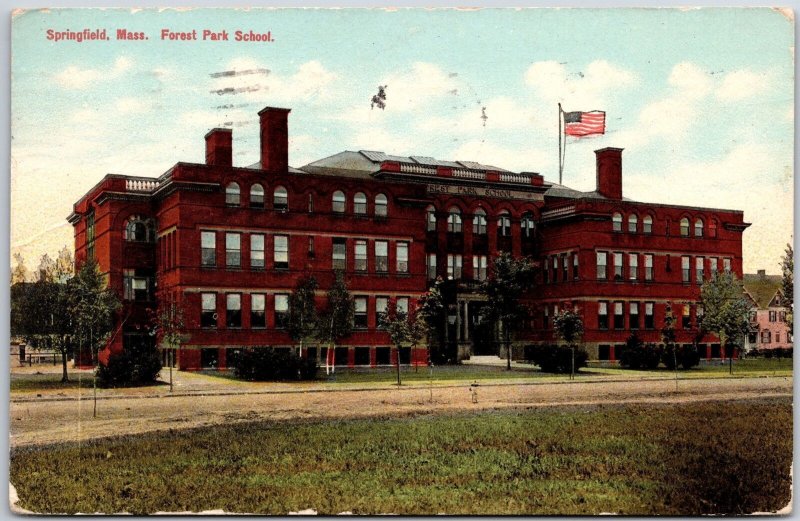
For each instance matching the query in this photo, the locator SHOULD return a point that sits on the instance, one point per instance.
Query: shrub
(266, 363)
(135, 366)
(638, 355)
(687, 356)
(557, 359)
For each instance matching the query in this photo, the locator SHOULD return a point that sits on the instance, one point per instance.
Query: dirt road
(44, 421)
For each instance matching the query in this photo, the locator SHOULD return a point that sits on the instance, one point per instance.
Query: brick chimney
(609, 172)
(274, 139)
(219, 148)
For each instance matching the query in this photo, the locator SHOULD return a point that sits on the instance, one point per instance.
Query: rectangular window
(281, 310)
(648, 266)
(649, 322)
(361, 255)
(575, 270)
(713, 265)
(339, 259)
(311, 253)
(233, 310)
(258, 315)
(619, 317)
(381, 306)
(136, 285)
(554, 264)
(686, 318)
(699, 312)
(257, 251)
(686, 270)
(633, 266)
(208, 248)
(726, 265)
(633, 315)
(545, 271)
(402, 257)
(208, 313)
(699, 269)
(602, 264)
(360, 316)
(617, 266)
(773, 316)
(431, 267)
(479, 267)
(454, 266)
(281, 252)
(602, 315)
(546, 317)
(564, 267)
(766, 336)
(381, 256)
(402, 306)
(233, 250)
(310, 203)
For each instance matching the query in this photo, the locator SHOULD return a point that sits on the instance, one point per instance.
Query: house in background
(769, 329)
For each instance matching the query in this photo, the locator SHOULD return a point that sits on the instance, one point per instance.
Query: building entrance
(481, 332)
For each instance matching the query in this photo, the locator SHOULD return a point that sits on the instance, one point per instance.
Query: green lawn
(731, 457)
(48, 381)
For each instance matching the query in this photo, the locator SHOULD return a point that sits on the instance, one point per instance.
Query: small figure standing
(473, 389)
(379, 99)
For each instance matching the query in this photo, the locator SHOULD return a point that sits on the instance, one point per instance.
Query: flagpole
(560, 164)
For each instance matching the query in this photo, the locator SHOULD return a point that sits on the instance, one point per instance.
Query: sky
(701, 100)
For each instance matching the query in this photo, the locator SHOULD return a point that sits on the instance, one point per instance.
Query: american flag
(584, 123)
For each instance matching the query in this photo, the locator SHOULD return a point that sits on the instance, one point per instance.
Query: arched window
(338, 201)
(698, 227)
(360, 203)
(647, 224)
(616, 222)
(280, 198)
(430, 218)
(257, 196)
(381, 206)
(454, 220)
(633, 223)
(138, 229)
(712, 228)
(479, 222)
(685, 227)
(528, 226)
(232, 194)
(504, 224)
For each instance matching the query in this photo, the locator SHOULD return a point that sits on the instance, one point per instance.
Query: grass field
(713, 457)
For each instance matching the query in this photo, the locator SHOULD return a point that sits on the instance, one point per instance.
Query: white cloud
(423, 84)
(251, 80)
(742, 84)
(690, 80)
(502, 113)
(73, 77)
(582, 90)
(130, 105)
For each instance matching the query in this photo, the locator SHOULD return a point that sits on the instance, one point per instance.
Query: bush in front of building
(135, 366)
(638, 355)
(268, 364)
(556, 359)
(778, 352)
(685, 356)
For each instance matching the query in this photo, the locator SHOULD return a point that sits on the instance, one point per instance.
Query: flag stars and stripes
(584, 123)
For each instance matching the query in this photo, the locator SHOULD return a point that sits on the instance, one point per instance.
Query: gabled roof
(762, 288)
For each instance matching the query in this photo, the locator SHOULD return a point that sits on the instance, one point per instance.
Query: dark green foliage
(685, 356)
(726, 311)
(787, 285)
(268, 364)
(678, 459)
(303, 318)
(556, 359)
(778, 352)
(431, 314)
(336, 319)
(638, 355)
(135, 366)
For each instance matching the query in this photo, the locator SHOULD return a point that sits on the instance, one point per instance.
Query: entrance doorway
(481, 332)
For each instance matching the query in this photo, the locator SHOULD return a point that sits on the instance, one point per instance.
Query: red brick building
(229, 244)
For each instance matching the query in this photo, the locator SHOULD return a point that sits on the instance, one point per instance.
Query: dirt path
(47, 421)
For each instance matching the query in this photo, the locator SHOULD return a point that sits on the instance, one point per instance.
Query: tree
(787, 285)
(509, 279)
(336, 320)
(20, 272)
(569, 328)
(64, 266)
(168, 325)
(46, 270)
(93, 306)
(398, 325)
(303, 317)
(41, 314)
(431, 318)
(726, 311)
